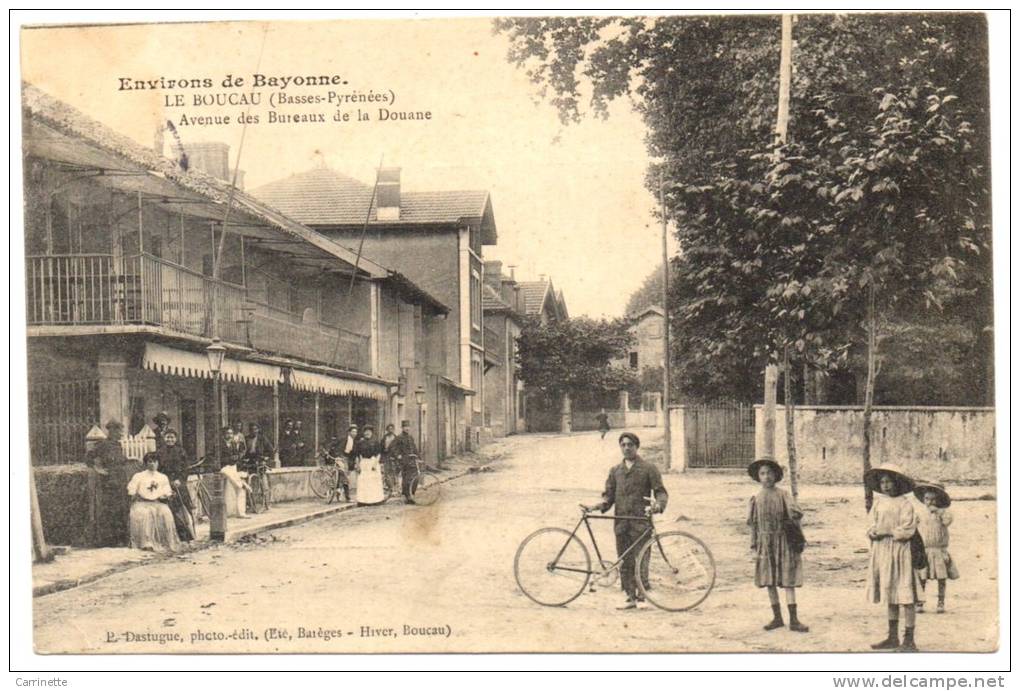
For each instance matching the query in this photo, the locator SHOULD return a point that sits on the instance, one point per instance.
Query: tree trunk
(791, 440)
(869, 390)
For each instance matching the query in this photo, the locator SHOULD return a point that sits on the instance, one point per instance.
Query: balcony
(104, 290)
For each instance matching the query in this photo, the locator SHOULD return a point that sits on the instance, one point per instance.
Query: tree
(650, 293)
(574, 356)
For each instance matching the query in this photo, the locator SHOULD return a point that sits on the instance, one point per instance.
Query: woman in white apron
(370, 477)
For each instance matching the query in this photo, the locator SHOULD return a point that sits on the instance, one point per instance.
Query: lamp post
(419, 398)
(218, 511)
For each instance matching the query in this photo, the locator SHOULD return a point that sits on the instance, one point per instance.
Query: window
(476, 381)
(633, 360)
(476, 299)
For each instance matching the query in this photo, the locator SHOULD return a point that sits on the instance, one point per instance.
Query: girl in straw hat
(776, 564)
(892, 578)
(934, 529)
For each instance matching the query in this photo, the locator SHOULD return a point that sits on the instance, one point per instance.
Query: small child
(777, 565)
(892, 579)
(934, 529)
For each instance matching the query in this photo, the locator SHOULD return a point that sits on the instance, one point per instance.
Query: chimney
(493, 273)
(213, 158)
(512, 267)
(387, 195)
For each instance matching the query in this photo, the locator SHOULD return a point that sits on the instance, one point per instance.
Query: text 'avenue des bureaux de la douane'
(260, 99)
(200, 637)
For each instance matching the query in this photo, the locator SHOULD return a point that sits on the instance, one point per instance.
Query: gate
(60, 414)
(719, 436)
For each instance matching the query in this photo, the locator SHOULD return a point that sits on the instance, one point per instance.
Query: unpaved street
(354, 581)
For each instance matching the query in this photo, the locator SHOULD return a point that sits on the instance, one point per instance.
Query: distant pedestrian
(603, 419)
(934, 529)
(892, 578)
(777, 562)
(634, 486)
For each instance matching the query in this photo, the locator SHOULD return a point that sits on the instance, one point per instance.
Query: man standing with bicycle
(629, 487)
(402, 452)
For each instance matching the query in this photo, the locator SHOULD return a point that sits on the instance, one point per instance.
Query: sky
(569, 201)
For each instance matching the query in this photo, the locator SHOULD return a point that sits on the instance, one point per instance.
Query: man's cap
(630, 435)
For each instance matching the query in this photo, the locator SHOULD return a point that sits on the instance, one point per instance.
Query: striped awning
(336, 386)
(184, 363)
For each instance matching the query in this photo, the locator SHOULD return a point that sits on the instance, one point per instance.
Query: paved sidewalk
(78, 566)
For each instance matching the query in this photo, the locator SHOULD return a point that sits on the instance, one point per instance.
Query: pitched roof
(534, 295)
(650, 309)
(106, 145)
(324, 197)
(491, 299)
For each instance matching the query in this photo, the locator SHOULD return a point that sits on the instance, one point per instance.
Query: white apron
(370, 482)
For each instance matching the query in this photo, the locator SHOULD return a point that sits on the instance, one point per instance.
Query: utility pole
(782, 124)
(667, 442)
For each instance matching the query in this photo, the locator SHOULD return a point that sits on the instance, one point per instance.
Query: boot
(777, 619)
(795, 624)
(908, 645)
(892, 641)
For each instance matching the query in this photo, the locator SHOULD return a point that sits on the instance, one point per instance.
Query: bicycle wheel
(253, 497)
(322, 483)
(426, 489)
(552, 567)
(266, 491)
(680, 571)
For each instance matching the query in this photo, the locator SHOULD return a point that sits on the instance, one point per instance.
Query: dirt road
(402, 578)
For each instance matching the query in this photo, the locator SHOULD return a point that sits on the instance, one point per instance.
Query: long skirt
(370, 482)
(892, 578)
(180, 507)
(152, 527)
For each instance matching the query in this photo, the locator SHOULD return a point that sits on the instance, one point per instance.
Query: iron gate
(719, 436)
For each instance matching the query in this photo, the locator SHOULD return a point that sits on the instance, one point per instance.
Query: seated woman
(151, 523)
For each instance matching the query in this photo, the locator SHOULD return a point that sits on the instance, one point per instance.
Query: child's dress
(934, 529)
(892, 578)
(776, 564)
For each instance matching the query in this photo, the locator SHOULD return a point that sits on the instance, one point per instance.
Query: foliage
(574, 356)
(649, 294)
(884, 183)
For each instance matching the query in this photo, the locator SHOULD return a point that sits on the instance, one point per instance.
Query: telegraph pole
(782, 122)
(667, 442)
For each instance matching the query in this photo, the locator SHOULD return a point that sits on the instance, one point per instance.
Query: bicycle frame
(585, 517)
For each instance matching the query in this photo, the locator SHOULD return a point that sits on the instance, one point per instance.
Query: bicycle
(425, 487)
(675, 571)
(329, 477)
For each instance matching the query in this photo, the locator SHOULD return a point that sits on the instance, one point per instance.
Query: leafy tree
(650, 293)
(872, 218)
(574, 356)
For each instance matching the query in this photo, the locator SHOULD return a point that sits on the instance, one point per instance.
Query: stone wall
(955, 445)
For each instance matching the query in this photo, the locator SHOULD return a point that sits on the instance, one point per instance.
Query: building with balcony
(435, 239)
(134, 265)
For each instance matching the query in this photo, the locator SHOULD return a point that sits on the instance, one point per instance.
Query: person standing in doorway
(635, 488)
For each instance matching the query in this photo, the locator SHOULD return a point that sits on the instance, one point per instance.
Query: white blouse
(150, 485)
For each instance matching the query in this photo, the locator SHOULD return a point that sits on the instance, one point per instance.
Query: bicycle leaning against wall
(674, 571)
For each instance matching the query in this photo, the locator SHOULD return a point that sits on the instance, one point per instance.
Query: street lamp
(419, 398)
(218, 511)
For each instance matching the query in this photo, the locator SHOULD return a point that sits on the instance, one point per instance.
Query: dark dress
(109, 504)
(174, 464)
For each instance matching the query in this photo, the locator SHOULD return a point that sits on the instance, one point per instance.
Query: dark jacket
(366, 448)
(629, 490)
(402, 447)
(173, 462)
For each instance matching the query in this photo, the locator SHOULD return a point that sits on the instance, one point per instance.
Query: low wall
(63, 498)
(584, 420)
(955, 445)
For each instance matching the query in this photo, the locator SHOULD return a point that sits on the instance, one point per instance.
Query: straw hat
(903, 482)
(753, 469)
(941, 495)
